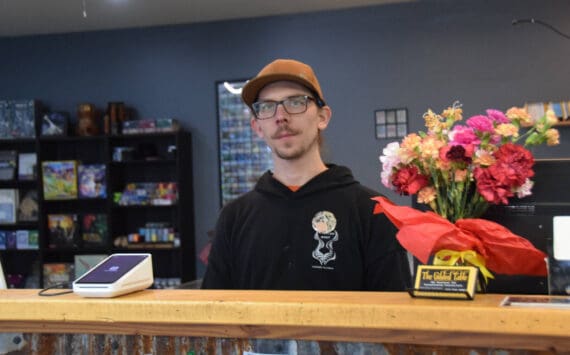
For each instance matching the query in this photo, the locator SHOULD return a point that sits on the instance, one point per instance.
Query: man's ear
(255, 127)
(325, 114)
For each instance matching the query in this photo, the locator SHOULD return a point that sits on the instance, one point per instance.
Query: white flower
(524, 189)
(389, 159)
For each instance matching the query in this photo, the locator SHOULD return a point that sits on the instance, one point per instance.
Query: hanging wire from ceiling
(84, 9)
(545, 24)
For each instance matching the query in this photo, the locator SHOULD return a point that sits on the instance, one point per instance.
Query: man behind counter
(306, 225)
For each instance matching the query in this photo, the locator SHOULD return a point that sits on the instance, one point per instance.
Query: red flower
(512, 168)
(516, 162)
(457, 153)
(409, 181)
(492, 184)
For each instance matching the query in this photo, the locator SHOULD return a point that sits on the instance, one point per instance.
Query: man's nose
(280, 113)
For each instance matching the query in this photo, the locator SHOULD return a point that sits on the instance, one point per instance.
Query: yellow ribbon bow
(448, 257)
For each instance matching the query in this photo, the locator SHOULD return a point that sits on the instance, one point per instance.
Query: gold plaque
(457, 282)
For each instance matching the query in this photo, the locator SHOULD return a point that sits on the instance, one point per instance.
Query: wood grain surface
(331, 316)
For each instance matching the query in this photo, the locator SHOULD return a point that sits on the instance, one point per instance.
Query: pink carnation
(497, 116)
(481, 123)
(462, 135)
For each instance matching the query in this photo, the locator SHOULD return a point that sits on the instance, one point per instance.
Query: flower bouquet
(459, 170)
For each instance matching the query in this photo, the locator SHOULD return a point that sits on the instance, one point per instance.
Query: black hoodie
(324, 236)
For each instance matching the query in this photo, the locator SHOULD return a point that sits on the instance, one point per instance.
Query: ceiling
(33, 17)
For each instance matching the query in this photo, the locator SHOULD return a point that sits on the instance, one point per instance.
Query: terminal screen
(112, 269)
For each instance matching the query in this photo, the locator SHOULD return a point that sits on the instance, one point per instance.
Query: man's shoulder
(362, 191)
(241, 201)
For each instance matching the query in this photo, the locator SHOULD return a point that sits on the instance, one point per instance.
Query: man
(306, 225)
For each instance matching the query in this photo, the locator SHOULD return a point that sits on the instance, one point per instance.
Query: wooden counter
(325, 316)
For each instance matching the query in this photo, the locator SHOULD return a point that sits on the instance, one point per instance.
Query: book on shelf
(558, 109)
(62, 230)
(8, 205)
(58, 273)
(92, 181)
(5, 119)
(94, 229)
(11, 242)
(149, 193)
(150, 126)
(15, 280)
(59, 179)
(19, 239)
(24, 118)
(33, 239)
(54, 124)
(26, 239)
(27, 166)
(18, 118)
(536, 110)
(28, 207)
(84, 263)
(8, 164)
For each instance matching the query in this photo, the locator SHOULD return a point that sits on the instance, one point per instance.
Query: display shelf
(243, 156)
(158, 157)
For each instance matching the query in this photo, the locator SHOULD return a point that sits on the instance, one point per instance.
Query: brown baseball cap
(279, 70)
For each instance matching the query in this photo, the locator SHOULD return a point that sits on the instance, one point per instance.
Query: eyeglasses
(295, 104)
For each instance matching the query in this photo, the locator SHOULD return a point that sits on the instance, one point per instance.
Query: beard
(288, 151)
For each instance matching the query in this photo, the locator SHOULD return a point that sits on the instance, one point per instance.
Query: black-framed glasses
(295, 104)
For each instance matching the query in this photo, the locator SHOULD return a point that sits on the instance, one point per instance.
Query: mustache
(282, 130)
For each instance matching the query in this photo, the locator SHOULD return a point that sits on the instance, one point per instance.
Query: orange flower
(519, 114)
(430, 147)
(551, 117)
(432, 121)
(409, 148)
(411, 141)
(484, 158)
(426, 194)
(453, 113)
(507, 130)
(552, 137)
(460, 175)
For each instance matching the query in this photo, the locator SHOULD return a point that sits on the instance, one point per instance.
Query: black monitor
(532, 218)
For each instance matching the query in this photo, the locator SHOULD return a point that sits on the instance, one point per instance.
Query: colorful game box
(62, 230)
(58, 273)
(59, 179)
(92, 181)
(94, 229)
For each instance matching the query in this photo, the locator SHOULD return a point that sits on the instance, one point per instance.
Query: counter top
(387, 317)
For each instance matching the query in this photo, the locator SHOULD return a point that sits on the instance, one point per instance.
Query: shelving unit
(20, 262)
(168, 159)
(158, 157)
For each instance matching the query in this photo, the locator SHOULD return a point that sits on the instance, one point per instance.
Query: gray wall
(415, 55)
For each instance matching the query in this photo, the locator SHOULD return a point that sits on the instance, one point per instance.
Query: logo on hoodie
(324, 224)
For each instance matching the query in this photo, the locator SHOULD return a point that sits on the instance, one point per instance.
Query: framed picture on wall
(391, 123)
(243, 157)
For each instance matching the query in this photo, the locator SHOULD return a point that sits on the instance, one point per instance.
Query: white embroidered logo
(324, 224)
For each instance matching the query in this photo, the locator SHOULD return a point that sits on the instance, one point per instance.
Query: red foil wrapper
(425, 233)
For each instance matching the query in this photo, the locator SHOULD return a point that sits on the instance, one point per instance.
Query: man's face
(291, 136)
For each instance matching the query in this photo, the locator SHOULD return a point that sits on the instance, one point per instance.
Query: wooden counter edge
(554, 344)
(368, 317)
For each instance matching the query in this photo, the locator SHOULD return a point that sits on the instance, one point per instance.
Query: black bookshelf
(153, 158)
